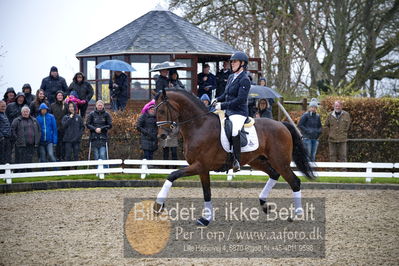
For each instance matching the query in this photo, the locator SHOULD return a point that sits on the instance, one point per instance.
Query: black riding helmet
(241, 56)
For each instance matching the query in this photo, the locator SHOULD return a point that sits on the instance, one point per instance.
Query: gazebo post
(195, 78)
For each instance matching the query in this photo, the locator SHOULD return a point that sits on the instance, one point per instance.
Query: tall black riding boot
(236, 153)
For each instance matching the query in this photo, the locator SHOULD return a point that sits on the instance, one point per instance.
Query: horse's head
(178, 108)
(167, 115)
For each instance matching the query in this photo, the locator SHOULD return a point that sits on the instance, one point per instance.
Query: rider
(234, 100)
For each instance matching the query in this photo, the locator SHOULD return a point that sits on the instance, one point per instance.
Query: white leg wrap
(208, 210)
(266, 190)
(297, 202)
(163, 194)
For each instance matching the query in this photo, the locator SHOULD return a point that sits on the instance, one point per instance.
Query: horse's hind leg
(208, 210)
(295, 184)
(262, 164)
(296, 194)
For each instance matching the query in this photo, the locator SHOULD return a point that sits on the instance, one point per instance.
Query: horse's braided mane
(194, 99)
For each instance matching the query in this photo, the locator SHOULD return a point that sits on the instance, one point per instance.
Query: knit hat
(74, 93)
(205, 97)
(54, 69)
(148, 106)
(313, 103)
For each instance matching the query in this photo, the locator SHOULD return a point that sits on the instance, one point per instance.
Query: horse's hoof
(202, 222)
(158, 208)
(265, 208)
(298, 212)
(262, 202)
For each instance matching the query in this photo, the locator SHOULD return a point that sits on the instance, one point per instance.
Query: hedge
(371, 119)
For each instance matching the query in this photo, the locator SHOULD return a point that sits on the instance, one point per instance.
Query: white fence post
(144, 167)
(101, 167)
(8, 173)
(369, 170)
(229, 176)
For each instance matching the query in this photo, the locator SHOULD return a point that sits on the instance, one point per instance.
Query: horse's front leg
(163, 194)
(207, 216)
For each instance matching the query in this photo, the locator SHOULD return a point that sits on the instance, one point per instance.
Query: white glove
(218, 106)
(214, 101)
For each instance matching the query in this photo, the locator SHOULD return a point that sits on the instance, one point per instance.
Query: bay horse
(278, 144)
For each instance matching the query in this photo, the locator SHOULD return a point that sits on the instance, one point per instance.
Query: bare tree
(336, 46)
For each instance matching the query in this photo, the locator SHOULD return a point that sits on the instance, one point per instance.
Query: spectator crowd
(51, 122)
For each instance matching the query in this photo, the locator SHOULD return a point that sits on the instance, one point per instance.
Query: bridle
(169, 119)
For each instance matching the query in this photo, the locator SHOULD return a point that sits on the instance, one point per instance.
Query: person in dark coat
(174, 81)
(206, 82)
(73, 131)
(84, 90)
(234, 101)
(252, 108)
(9, 96)
(263, 109)
(27, 90)
(118, 89)
(26, 133)
(59, 109)
(221, 78)
(49, 134)
(5, 136)
(162, 81)
(147, 126)
(40, 98)
(13, 110)
(310, 126)
(262, 82)
(52, 84)
(170, 144)
(99, 122)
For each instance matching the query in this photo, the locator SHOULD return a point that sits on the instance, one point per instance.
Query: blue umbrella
(262, 92)
(115, 65)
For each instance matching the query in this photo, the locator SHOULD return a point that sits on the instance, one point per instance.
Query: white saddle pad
(252, 136)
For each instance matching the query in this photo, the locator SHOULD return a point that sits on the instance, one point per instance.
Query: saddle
(228, 127)
(248, 138)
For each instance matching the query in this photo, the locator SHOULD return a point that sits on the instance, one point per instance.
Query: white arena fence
(144, 167)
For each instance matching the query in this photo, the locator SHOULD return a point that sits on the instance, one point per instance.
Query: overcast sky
(37, 34)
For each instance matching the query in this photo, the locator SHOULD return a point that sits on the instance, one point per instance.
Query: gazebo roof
(158, 32)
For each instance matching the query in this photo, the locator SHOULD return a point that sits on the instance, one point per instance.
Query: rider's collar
(237, 74)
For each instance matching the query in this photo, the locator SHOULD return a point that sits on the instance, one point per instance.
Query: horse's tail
(299, 153)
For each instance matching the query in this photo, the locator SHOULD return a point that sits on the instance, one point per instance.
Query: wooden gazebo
(153, 38)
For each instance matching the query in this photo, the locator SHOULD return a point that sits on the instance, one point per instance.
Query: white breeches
(238, 121)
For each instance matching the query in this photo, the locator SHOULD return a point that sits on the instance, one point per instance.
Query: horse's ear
(164, 93)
